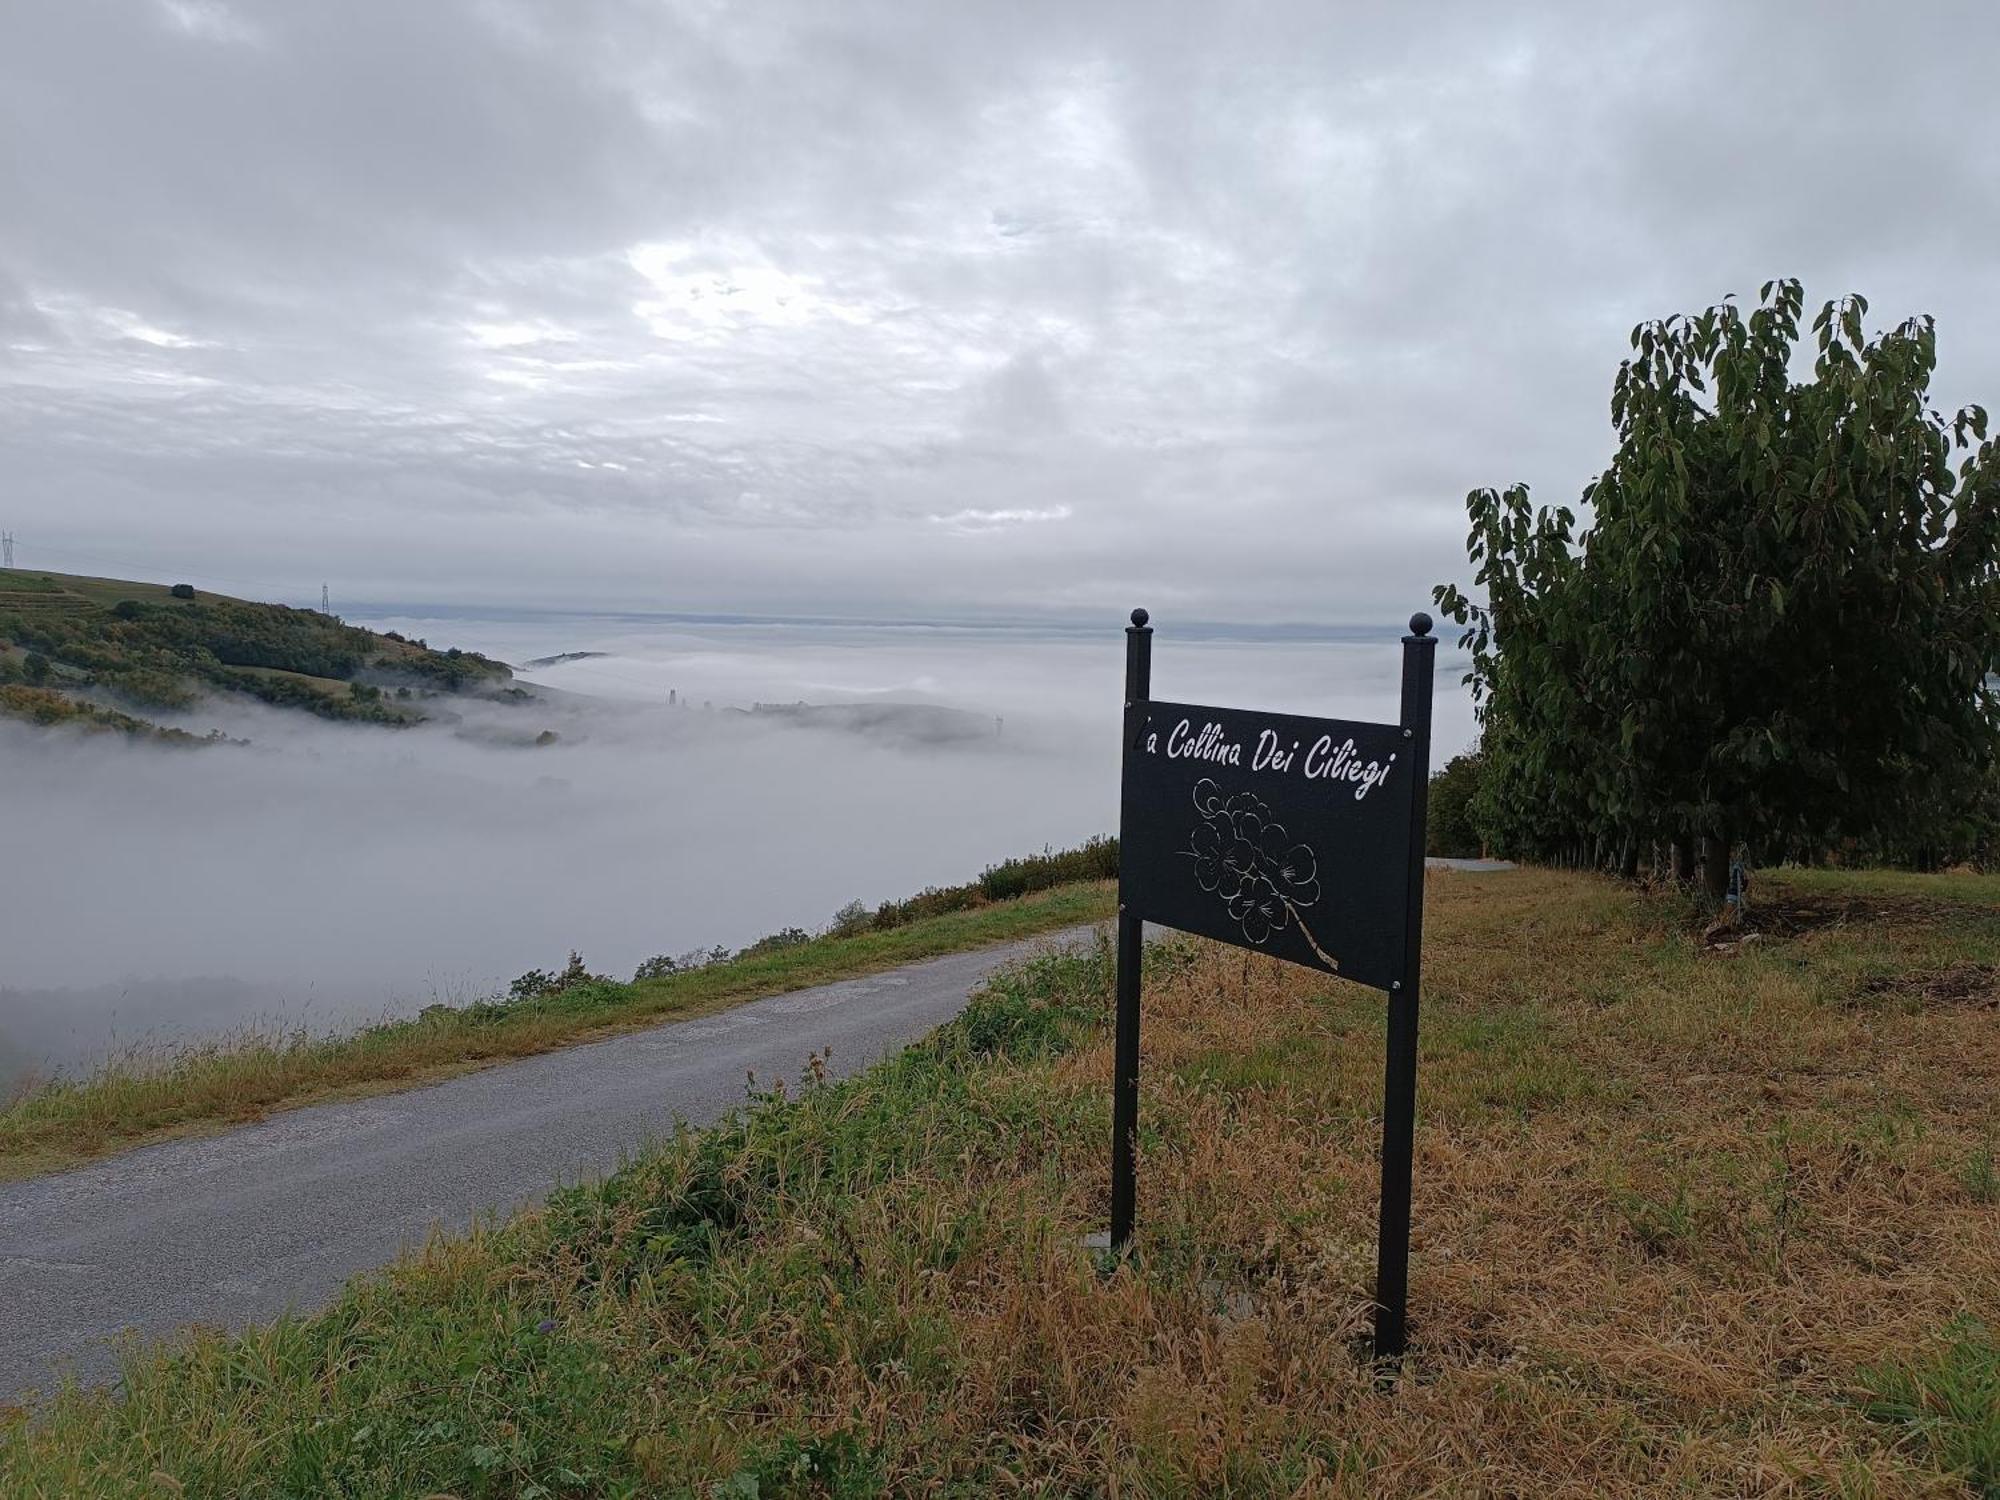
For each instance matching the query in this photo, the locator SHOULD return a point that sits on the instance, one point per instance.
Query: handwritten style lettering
(1325, 763)
(1206, 744)
(1322, 761)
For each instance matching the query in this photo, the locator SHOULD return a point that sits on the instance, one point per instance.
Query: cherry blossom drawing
(1247, 860)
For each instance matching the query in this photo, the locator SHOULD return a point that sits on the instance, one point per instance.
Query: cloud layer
(882, 308)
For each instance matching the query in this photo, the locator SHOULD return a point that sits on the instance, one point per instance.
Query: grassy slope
(102, 592)
(1687, 1223)
(78, 596)
(247, 1076)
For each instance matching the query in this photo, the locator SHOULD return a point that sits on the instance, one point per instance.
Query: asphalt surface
(240, 1227)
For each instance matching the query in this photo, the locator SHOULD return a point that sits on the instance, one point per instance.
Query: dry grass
(1676, 1211)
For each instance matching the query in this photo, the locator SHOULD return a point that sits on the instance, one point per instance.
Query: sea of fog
(325, 875)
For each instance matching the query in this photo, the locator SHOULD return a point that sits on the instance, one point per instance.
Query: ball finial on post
(1420, 624)
(1139, 619)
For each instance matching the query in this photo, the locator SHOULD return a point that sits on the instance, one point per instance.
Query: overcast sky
(914, 309)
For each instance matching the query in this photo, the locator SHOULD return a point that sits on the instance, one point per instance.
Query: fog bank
(327, 874)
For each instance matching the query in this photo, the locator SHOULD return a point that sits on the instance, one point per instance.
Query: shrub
(182, 591)
(1453, 831)
(851, 919)
(537, 983)
(933, 901)
(36, 668)
(1094, 859)
(789, 937)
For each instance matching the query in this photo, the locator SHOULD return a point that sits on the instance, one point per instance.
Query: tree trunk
(1683, 859)
(1628, 858)
(1715, 867)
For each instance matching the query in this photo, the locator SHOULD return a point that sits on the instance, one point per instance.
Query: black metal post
(1399, 1085)
(1131, 931)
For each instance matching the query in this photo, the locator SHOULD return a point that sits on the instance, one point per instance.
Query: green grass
(1959, 887)
(16, 580)
(103, 592)
(1733, 1259)
(436, 1381)
(244, 1077)
(333, 685)
(1949, 1403)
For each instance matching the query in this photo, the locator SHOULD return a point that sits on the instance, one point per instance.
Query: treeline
(1774, 637)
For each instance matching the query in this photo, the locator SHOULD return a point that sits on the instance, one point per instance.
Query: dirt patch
(1968, 984)
(1786, 913)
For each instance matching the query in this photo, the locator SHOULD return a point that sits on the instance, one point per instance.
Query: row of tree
(1775, 633)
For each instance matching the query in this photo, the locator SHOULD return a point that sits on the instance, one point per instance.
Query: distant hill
(563, 657)
(103, 651)
(916, 723)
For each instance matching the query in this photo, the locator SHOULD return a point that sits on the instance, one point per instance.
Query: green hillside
(104, 651)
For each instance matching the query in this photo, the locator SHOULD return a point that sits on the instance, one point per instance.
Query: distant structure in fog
(325, 605)
(6, 549)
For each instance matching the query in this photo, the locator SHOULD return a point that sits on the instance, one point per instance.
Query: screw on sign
(1298, 837)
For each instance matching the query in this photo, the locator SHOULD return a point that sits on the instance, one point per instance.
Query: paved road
(239, 1227)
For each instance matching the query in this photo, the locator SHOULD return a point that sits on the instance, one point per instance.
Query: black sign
(1274, 832)
(1301, 838)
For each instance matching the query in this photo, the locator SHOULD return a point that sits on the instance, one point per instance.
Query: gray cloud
(880, 308)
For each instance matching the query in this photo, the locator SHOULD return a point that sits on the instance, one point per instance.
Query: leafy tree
(36, 668)
(1453, 830)
(1777, 629)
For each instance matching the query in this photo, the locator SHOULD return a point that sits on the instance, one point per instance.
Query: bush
(182, 591)
(933, 901)
(851, 919)
(789, 937)
(1453, 832)
(660, 965)
(1094, 859)
(36, 668)
(538, 983)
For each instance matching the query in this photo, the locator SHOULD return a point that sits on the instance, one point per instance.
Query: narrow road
(239, 1227)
